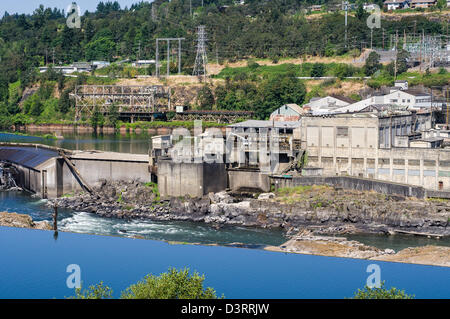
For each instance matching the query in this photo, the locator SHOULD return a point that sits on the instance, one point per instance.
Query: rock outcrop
(22, 221)
(305, 242)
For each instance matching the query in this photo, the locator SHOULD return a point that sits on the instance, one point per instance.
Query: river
(34, 265)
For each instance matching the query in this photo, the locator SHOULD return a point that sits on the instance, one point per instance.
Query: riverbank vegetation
(174, 284)
(381, 293)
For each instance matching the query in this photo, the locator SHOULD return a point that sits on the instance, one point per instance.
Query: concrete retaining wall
(248, 179)
(193, 179)
(349, 182)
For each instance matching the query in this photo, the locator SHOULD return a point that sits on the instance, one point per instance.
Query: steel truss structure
(131, 101)
(214, 116)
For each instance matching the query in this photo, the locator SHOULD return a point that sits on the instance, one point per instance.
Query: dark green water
(123, 143)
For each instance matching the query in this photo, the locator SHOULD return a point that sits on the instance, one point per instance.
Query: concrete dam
(52, 172)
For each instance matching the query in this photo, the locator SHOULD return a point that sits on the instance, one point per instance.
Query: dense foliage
(174, 284)
(381, 293)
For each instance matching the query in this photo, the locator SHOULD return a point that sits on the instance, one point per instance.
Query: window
(342, 131)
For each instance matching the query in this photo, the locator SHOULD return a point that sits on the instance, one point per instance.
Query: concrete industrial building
(51, 172)
(363, 145)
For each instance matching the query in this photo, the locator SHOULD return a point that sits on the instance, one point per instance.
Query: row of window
(381, 161)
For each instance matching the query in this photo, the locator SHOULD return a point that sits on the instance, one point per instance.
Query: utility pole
(157, 59)
(345, 7)
(371, 39)
(179, 56)
(201, 60)
(53, 56)
(396, 54)
(168, 58)
(421, 49)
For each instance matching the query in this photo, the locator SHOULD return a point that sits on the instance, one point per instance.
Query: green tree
(381, 293)
(360, 13)
(205, 98)
(441, 4)
(173, 284)
(279, 90)
(113, 115)
(99, 291)
(64, 102)
(318, 70)
(97, 119)
(102, 48)
(372, 64)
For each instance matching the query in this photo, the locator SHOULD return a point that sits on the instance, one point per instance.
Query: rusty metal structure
(132, 101)
(214, 116)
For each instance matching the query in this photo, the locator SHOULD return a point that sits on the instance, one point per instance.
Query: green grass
(287, 191)
(155, 190)
(301, 70)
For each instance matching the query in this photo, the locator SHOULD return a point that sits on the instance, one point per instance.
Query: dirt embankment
(22, 221)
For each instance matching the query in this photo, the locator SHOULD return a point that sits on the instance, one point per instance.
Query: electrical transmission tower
(201, 60)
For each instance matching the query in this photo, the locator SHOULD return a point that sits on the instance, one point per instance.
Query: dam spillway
(49, 171)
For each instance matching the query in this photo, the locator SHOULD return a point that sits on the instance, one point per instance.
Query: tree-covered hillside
(259, 29)
(275, 28)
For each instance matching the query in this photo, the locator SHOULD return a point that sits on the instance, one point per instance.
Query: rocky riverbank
(321, 209)
(305, 242)
(22, 221)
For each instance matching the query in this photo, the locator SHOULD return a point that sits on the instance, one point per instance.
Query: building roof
(416, 93)
(266, 124)
(395, 1)
(423, 1)
(26, 156)
(295, 107)
(429, 139)
(343, 98)
(86, 65)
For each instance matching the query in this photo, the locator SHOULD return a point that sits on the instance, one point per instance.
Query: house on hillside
(143, 63)
(422, 3)
(396, 4)
(369, 7)
(287, 113)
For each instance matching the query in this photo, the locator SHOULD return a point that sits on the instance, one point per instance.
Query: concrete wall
(93, 171)
(242, 179)
(362, 184)
(193, 179)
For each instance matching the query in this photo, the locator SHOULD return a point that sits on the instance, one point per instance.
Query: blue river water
(33, 265)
